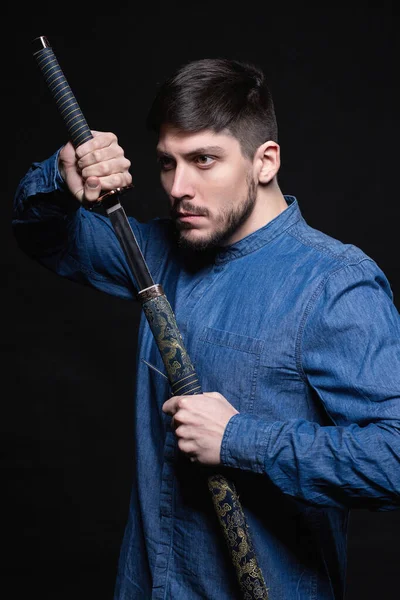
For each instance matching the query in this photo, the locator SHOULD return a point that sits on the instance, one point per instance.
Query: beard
(228, 221)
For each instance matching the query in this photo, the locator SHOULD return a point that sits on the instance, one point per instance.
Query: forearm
(51, 226)
(329, 466)
(41, 209)
(42, 194)
(349, 354)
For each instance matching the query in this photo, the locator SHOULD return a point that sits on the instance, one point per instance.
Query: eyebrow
(196, 152)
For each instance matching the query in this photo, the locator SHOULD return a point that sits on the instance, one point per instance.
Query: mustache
(188, 207)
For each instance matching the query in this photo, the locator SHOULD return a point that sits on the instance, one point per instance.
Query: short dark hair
(217, 94)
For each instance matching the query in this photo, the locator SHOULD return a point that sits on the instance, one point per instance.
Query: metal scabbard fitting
(151, 292)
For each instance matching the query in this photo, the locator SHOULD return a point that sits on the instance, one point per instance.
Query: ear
(267, 162)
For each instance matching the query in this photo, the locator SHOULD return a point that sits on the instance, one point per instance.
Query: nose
(182, 185)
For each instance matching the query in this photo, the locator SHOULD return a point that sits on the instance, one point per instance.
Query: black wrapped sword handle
(181, 372)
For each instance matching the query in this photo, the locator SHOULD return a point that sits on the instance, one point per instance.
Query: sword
(160, 316)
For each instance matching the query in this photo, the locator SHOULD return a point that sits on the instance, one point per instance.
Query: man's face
(210, 185)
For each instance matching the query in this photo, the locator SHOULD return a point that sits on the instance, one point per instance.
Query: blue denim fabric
(300, 333)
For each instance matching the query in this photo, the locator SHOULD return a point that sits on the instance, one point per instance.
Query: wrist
(245, 442)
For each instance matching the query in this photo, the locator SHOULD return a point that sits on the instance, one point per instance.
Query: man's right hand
(95, 167)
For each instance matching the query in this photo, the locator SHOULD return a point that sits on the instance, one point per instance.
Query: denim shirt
(300, 333)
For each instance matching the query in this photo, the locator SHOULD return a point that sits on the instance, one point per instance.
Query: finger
(170, 406)
(100, 155)
(112, 182)
(187, 446)
(175, 403)
(181, 430)
(176, 423)
(179, 421)
(105, 168)
(100, 140)
(92, 189)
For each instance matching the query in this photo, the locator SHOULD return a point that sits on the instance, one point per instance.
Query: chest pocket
(228, 363)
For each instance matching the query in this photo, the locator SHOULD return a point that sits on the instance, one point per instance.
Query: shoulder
(334, 264)
(326, 247)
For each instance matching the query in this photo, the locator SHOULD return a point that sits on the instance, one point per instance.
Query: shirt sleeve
(350, 356)
(52, 227)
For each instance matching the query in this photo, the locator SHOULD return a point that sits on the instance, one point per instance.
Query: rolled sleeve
(42, 194)
(244, 442)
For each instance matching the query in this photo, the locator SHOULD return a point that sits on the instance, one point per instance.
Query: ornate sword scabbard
(181, 374)
(184, 381)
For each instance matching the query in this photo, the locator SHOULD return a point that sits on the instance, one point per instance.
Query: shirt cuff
(52, 182)
(244, 443)
(44, 176)
(59, 182)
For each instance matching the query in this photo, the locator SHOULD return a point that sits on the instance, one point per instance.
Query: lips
(184, 215)
(189, 220)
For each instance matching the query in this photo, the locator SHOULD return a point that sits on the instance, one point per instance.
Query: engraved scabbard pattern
(233, 521)
(184, 381)
(180, 370)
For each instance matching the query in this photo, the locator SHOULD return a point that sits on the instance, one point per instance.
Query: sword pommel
(39, 43)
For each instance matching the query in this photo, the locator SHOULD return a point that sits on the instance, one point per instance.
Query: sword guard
(106, 195)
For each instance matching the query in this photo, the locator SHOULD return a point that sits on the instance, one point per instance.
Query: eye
(166, 163)
(204, 160)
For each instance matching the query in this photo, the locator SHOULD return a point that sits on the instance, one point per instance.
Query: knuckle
(185, 445)
(97, 155)
(116, 180)
(86, 172)
(181, 403)
(104, 169)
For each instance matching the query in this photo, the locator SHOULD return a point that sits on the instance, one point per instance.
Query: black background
(69, 351)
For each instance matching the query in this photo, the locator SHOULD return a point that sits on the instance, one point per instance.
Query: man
(293, 334)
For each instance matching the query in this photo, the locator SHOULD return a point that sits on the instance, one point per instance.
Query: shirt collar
(262, 236)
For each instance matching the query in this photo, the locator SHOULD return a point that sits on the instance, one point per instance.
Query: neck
(270, 202)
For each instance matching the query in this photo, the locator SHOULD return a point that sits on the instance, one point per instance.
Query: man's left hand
(199, 422)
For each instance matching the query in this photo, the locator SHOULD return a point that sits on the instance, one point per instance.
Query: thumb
(92, 189)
